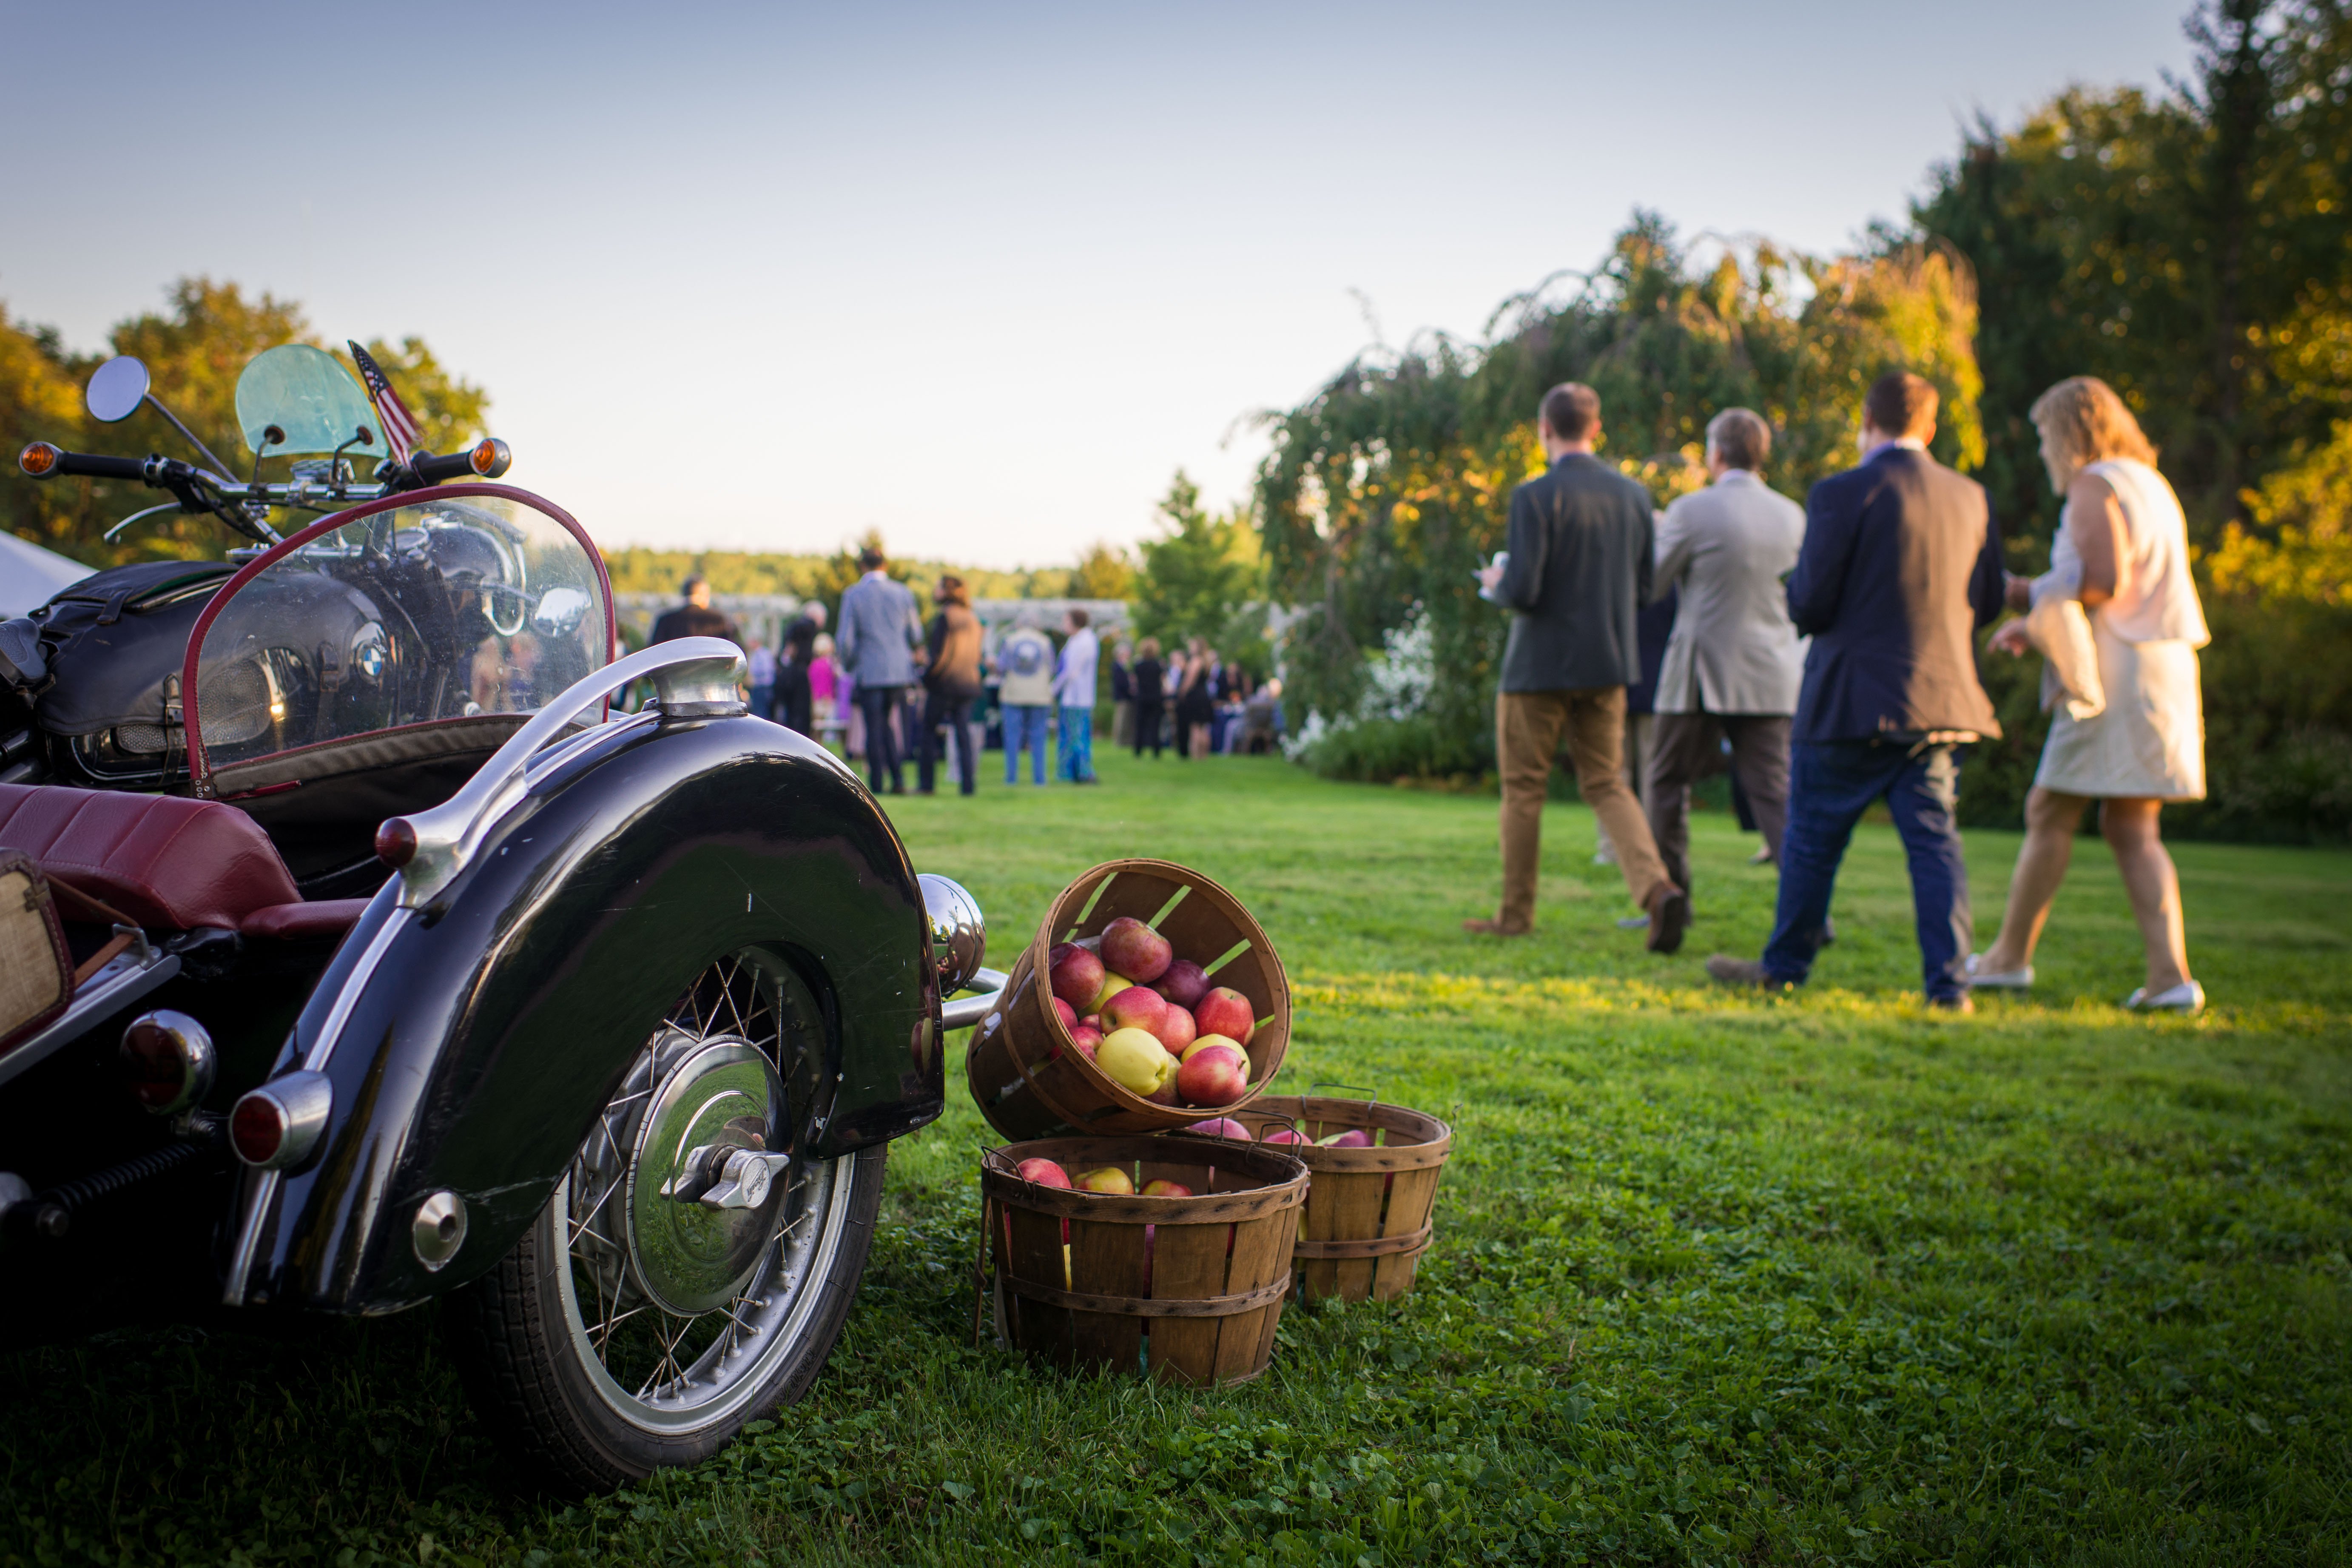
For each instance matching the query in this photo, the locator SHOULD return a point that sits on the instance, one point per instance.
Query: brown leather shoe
(1496, 927)
(1726, 970)
(1669, 908)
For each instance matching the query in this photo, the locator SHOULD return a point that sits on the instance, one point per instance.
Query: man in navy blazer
(1901, 565)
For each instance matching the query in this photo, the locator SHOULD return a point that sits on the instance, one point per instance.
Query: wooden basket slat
(1355, 1212)
(1411, 1203)
(1189, 1260)
(1261, 1252)
(1107, 1259)
(1035, 1252)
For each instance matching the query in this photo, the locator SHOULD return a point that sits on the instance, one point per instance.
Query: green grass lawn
(1718, 1278)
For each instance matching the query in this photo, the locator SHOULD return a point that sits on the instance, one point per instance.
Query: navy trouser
(1830, 784)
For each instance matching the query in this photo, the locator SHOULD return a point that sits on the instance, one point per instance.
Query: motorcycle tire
(590, 1355)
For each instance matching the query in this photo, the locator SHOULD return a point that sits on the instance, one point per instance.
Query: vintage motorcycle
(392, 962)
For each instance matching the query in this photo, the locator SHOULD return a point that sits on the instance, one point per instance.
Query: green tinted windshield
(306, 392)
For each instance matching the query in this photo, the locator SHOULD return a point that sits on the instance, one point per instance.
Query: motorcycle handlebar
(41, 461)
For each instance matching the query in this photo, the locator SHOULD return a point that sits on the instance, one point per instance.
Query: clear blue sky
(759, 277)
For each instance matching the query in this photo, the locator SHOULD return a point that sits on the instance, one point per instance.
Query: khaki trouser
(1528, 728)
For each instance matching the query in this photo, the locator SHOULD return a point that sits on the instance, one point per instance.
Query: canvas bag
(36, 971)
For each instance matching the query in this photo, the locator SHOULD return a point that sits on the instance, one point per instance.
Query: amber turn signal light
(395, 842)
(490, 458)
(39, 459)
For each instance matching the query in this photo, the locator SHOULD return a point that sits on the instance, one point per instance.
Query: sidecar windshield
(458, 612)
(308, 395)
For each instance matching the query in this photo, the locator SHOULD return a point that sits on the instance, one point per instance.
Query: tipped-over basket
(1368, 1217)
(1186, 1289)
(1028, 1078)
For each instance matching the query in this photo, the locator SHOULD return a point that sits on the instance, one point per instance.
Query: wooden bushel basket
(1368, 1217)
(1186, 1289)
(1028, 1079)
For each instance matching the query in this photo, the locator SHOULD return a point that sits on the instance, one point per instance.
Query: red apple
(1164, 1095)
(1184, 984)
(1353, 1138)
(1085, 1038)
(1065, 1012)
(1226, 1011)
(1106, 1179)
(1074, 974)
(1280, 1134)
(1177, 1031)
(1135, 950)
(1218, 1076)
(1220, 1127)
(1044, 1173)
(1137, 1007)
(1161, 1187)
(1091, 1021)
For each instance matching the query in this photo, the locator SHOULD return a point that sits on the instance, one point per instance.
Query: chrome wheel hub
(697, 1238)
(723, 1100)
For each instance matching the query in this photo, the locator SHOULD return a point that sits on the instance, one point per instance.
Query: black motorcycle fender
(494, 1025)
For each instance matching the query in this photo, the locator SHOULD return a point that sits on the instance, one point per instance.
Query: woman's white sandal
(1980, 979)
(2186, 997)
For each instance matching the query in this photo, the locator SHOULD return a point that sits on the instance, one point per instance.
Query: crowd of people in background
(897, 686)
(1830, 651)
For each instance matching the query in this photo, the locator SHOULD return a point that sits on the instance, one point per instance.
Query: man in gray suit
(1579, 564)
(1734, 662)
(881, 633)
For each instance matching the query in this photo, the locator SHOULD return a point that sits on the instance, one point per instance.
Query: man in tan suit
(1735, 663)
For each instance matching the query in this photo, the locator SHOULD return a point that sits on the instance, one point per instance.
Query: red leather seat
(163, 860)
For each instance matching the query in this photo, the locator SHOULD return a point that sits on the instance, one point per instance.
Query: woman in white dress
(2132, 736)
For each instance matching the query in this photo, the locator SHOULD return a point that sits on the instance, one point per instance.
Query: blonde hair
(2084, 422)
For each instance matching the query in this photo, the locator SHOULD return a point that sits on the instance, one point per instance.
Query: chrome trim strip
(315, 1058)
(686, 673)
(262, 1186)
(260, 1198)
(122, 981)
(963, 1013)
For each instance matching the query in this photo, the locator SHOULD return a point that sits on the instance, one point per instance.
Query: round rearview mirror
(559, 612)
(116, 389)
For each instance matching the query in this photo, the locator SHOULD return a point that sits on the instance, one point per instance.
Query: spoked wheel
(691, 1271)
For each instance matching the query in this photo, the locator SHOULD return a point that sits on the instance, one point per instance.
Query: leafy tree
(1104, 572)
(1204, 577)
(2190, 249)
(194, 350)
(1384, 493)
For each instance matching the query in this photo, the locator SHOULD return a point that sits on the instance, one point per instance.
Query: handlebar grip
(43, 461)
(487, 459)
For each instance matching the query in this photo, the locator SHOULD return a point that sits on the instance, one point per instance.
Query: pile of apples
(1150, 1019)
(1226, 1127)
(1106, 1179)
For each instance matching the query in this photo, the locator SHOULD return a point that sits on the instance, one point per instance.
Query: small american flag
(399, 427)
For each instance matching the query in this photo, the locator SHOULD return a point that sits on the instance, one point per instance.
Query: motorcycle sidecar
(609, 1064)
